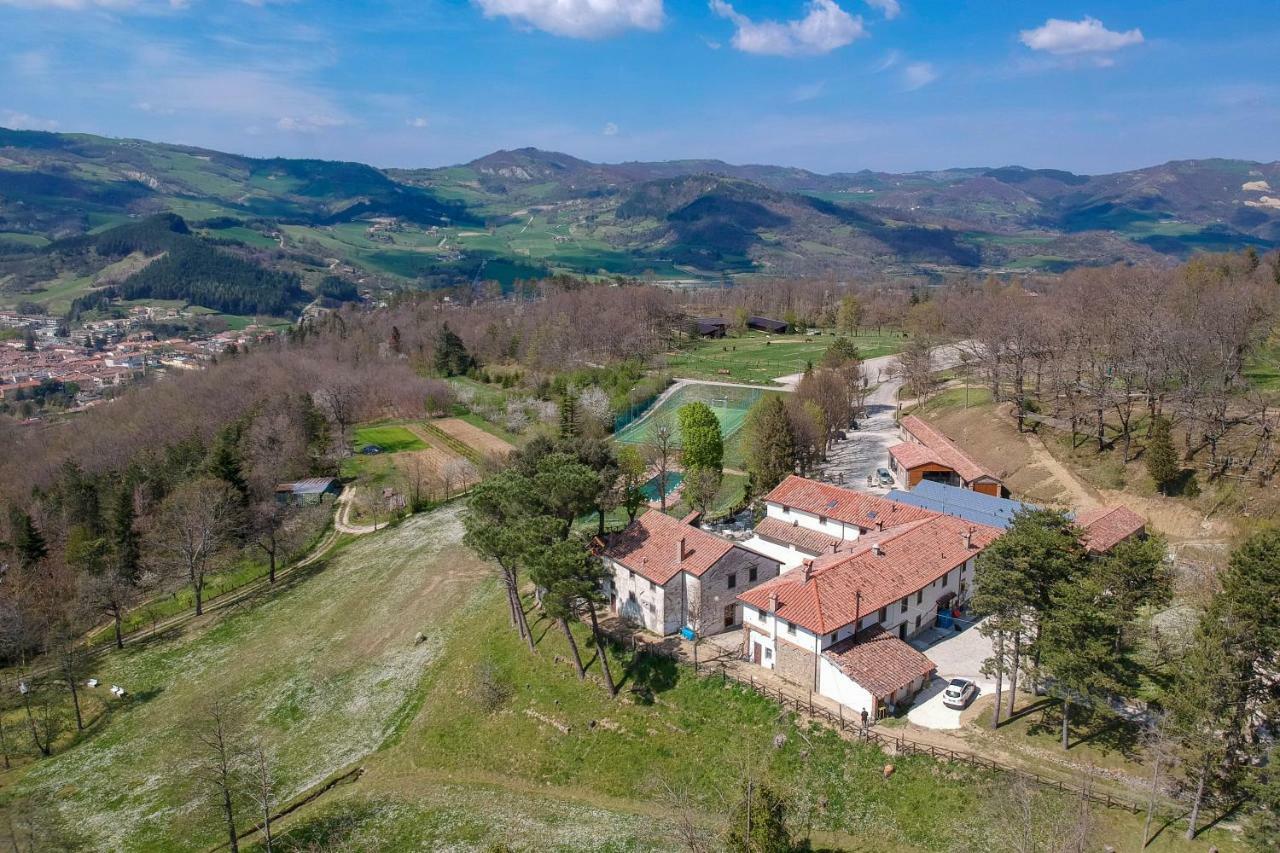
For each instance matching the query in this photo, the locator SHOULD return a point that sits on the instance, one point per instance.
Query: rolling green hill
(527, 213)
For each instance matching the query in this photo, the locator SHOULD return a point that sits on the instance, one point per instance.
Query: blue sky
(830, 85)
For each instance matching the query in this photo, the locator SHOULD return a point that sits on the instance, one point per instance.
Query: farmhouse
(926, 454)
(837, 624)
(804, 518)
(313, 490)
(667, 575)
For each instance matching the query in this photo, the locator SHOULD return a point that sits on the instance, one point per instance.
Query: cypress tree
(28, 542)
(1162, 456)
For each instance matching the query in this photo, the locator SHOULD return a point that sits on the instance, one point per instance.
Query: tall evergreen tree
(28, 543)
(770, 443)
(451, 356)
(1161, 456)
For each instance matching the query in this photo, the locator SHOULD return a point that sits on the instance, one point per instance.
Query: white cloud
(25, 121)
(610, 129)
(308, 124)
(808, 92)
(416, 121)
(890, 8)
(824, 28)
(1088, 35)
(917, 75)
(578, 18)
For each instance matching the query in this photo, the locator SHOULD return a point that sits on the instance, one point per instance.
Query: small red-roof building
(1106, 527)
(926, 454)
(667, 574)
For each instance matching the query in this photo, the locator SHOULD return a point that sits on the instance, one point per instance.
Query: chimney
(835, 546)
(879, 525)
(968, 539)
(808, 570)
(680, 550)
(773, 602)
(877, 549)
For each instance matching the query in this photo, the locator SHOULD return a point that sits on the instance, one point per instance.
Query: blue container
(944, 619)
(688, 633)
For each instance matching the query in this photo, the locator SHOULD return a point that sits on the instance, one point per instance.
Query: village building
(926, 454)
(668, 575)
(962, 503)
(767, 324)
(804, 518)
(838, 623)
(1106, 527)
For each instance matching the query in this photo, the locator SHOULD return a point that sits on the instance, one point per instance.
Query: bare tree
(220, 763)
(660, 452)
(192, 532)
(340, 401)
(262, 787)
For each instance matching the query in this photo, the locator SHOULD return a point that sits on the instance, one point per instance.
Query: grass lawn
(758, 358)
(325, 668)
(392, 438)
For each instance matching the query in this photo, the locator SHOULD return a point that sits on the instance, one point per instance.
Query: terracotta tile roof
(823, 596)
(812, 541)
(650, 545)
(879, 662)
(1106, 527)
(946, 450)
(911, 455)
(846, 505)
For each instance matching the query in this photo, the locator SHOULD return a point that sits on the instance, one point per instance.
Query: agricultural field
(758, 359)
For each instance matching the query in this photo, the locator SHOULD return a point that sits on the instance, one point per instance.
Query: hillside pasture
(324, 668)
(757, 358)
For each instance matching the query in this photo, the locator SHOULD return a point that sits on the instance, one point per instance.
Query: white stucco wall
(829, 526)
(650, 605)
(834, 684)
(788, 555)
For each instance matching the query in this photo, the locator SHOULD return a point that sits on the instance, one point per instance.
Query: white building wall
(829, 526)
(834, 684)
(788, 555)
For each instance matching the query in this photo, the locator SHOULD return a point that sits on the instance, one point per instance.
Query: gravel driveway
(957, 655)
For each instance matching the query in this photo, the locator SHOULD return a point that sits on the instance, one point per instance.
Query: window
(652, 586)
(768, 654)
(631, 574)
(919, 596)
(917, 623)
(791, 627)
(835, 635)
(883, 613)
(753, 573)
(764, 617)
(732, 580)
(904, 604)
(631, 597)
(822, 520)
(786, 510)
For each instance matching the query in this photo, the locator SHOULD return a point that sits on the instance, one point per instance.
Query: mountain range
(528, 212)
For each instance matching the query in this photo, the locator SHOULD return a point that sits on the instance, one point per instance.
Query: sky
(827, 85)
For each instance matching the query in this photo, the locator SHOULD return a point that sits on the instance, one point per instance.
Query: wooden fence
(899, 744)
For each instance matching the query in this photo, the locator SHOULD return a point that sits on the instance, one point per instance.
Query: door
(755, 654)
(729, 615)
(902, 631)
(613, 602)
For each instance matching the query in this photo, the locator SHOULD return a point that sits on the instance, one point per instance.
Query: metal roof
(960, 503)
(313, 485)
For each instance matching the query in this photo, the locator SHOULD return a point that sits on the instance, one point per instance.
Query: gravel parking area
(957, 655)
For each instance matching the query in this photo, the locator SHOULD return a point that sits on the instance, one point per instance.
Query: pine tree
(451, 356)
(1162, 456)
(770, 444)
(568, 415)
(28, 542)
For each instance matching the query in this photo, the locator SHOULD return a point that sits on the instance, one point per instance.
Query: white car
(959, 693)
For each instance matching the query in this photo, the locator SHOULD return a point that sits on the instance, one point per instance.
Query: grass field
(392, 438)
(759, 359)
(325, 668)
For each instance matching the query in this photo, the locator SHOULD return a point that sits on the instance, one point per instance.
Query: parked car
(883, 475)
(959, 693)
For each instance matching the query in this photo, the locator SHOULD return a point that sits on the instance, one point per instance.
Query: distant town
(47, 366)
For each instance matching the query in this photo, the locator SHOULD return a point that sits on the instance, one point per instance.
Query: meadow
(757, 358)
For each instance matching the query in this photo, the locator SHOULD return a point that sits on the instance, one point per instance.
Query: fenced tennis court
(730, 404)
